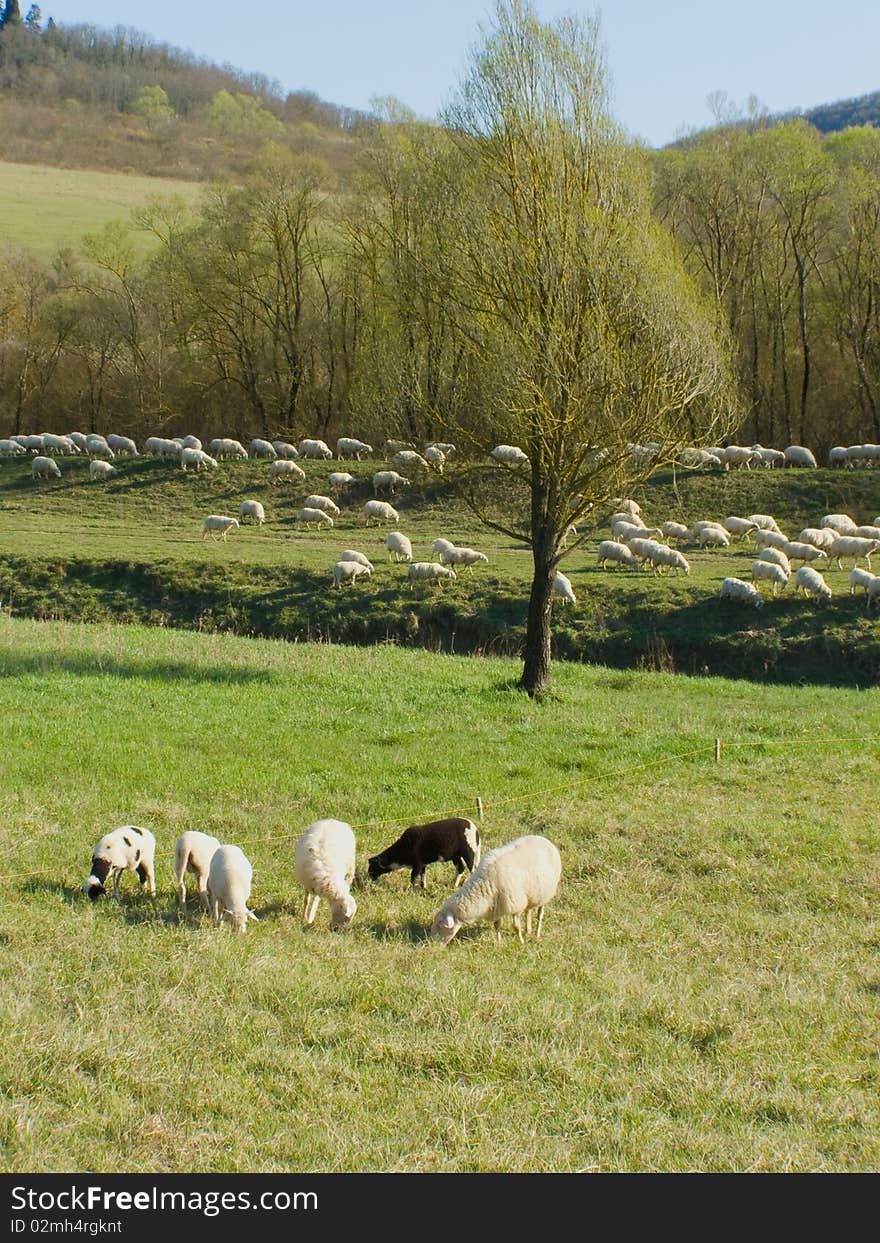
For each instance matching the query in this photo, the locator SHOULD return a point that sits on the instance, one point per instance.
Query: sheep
(350, 554)
(712, 536)
(33, 444)
(610, 550)
(263, 449)
(623, 530)
(96, 446)
(197, 458)
(348, 571)
(837, 456)
(627, 506)
(764, 522)
(436, 458)
(819, 537)
(776, 557)
(668, 558)
(742, 592)
(798, 455)
(562, 587)
(399, 547)
(770, 539)
(285, 451)
(455, 840)
(811, 583)
(253, 510)
(310, 517)
(229, 887)
(853, 546)
(101, 470)
(218, 525)
(193, 852)
(11, 448)
(394, 446)
(322, 502)
(78, 439)
(773, 574)
(465, 557)
(695, 459)
(45, 468)
(387, 481)
(348, 446)
(509, 455)
(169, 448)
(869, 531)
(315, 449)
(127, 849)
(739, 526)
(643, 549)
(676, 531)
(796, 551)
(340, 480)
(59, 445)
(738, 455)
(513, 879)
(860, 578)
(122, 445)
(408, 458)
(428, 571)
(285, 470)
(226, 448)
(768, 457)
(445, 449)
(442, 547)
(324, 865)
(379, 511)
(841, 523)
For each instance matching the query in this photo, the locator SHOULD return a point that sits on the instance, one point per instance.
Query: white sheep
(310, 517)
(229, 887)
(282, 469)
(626, 505)
(811, 583)
(394, 446)
(227, 448)
(713, 536)
(677, 531)
(466, 557)
(769, 457)
(441, 547)
(515, 879)
(562, 587)
(860, 578)
(315, 449)
(399, 547)
(127, 849)
(339, 480)
(509, 455)
(196, 457)
(387, 481)
(324, 863)
(97, 447)
(263, 449)
(668, 558)
(428, 571)
(348, 571)
(841, 523)
(99, 470)
(776, 557)
(611, 550)
(837, 456)
(742, 592)
(285, 451)
(738, 455)
(444, 448)
(819, 537)
(770, 539)
(379, 511)
(798, 455)
(868, 531)
(349, 446)
(624, 529)
(218, 525)
(643, 549)
(45, 468)
(193, 852)
(351, 554)
(322, 502)
(853, 546)
(436, 457)
(767, 571)
(408, 458)
(78, 439)
(797, 551)
(742, 527)
(253, 510)
(764, 522)
(61, 446)
(122, 445)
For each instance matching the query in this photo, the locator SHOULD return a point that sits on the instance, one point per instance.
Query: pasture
(705, 995)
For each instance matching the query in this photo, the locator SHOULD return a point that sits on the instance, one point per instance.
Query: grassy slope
(133, 551)
(44, 209)
(705, 996)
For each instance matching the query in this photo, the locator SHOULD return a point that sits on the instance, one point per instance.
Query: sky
(665, 56)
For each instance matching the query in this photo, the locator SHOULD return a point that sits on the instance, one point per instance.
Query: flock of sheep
(514, 879)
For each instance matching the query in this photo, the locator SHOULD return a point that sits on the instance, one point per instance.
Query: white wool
(263, 449)
(741, 591)
(193, 852)
(739, 526)
(126, 849)
(285, 470)
(408, 458)
(399, 547)
(321, 502)
(324, 864)
(285, 450)
(767, 571)
(218, 524)
(252, 509)
(841, 523)
(229, 886)
(610, 550)
(340, 479)
(509, 455)
(795, 550)
(349, 446)
(770, 539)
(798, 455)
(854, 546)
(350, 554)
(441, 547)
(464, 556)
(562, 587)
(315, 449)
(777, 557)
(101, 470)
(676, 531)
(45, 468)
(811, 583)
(765, 522)
(348, 571)
(428, 571)
(860, 578)
(122, 444)
(379, 511)
(310, 517)
(387, 480)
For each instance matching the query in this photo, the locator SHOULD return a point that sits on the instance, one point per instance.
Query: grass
(705, 996)
(132, 551)
(45, 209)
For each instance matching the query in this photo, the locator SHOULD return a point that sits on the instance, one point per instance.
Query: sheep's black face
(93, 888)
(378, 867)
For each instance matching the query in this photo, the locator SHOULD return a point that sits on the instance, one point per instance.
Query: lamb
(668, 558)
(776, 557)
(796, 551)
(324, 866)
(350, 554)
(770, 573)
(101, 470)
(408, 457)
(348, 571)
(387, 481)
(676, 531)
(229, 887)
(562, 587)
(812, 583)
(610, 550)
(509, 455)
(770, 539)
(310, 517)
(122, 445)
(285, 470)
(127, 849)
(742, 592)
(853, 546)
(513, 879)
(739, 526)
(253, 510)
(263, 449)
(285, 451)
(322, 502)
(45, 468)
(340, 480)
(455, 839)
(193, 852)
(713, 536)
(798, 455)
(218, 525)
(348, 446)
(860, 578)
(466, 557)
(379, 511)
(819, 537)
(841, 523)
(315, 449)
(764, 522)
(399, 547)
(428, 571)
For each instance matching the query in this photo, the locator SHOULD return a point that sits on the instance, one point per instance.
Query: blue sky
(665, 56)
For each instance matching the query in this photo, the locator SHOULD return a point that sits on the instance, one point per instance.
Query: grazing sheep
(797, 551)
(218, 525)
(853, 546)
(197, 458)
(436, 457)
(841, 523)
(350, 554)
(285, 451)
(379, 511)
(770, 539)
(798, 455)
(509, 455)
(619, 554)
(455, 839)
(742, 527)
(624, 529)
(225, 448)
(664, 558)
(713, 536)
(78, 439)
(322, 502)
(324, 866)
(466, 557)
(627, 506)
(819, 537)
(837, 456)
(399, 547)
(45, 468)
(562, 587)
(394, 446)
(229, 887)
(767, 571)
(776, 557)
(97, 447)
(677, 531)
(285, 470)
(101, 470)
(408, 458)
(441, 547)
(428, 571)
(253, 510)
(348, 571)
(869, 531)
(263, 449)
(309, 517)
(764, 522)
(768, 457)
(348, 446)
(742, 592)
(387, 481)
(811, 583)
(62, 446)
(339, 480)
(740, 456)
(122, 445)
(315, 449)
(193, 852)
(860, 578)
(513, 879)
(127, 849)
(445, 449)
(11, 448)
(643, 549)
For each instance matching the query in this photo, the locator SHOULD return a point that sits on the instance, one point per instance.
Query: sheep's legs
(529, 922)
(538, 923)
(310, 908)
(517, 923)
(498, 929)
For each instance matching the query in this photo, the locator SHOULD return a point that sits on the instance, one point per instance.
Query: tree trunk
(536, 667)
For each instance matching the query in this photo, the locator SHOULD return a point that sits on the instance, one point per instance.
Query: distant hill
(828, 118)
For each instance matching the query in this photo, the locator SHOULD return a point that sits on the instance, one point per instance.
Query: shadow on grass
(409, 930)
(38, 884)
(17, 664)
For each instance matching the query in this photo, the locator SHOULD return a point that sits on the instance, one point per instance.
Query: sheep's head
(377, 866)
(445, 927)
(93, 885)
(342, 913)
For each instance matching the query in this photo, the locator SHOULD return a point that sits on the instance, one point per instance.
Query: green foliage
(153, 104)
(242, 116)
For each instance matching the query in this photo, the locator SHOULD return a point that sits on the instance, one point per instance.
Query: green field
(705, 995)
(45, 209)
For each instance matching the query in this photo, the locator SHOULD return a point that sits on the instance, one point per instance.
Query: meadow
(705, 995)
